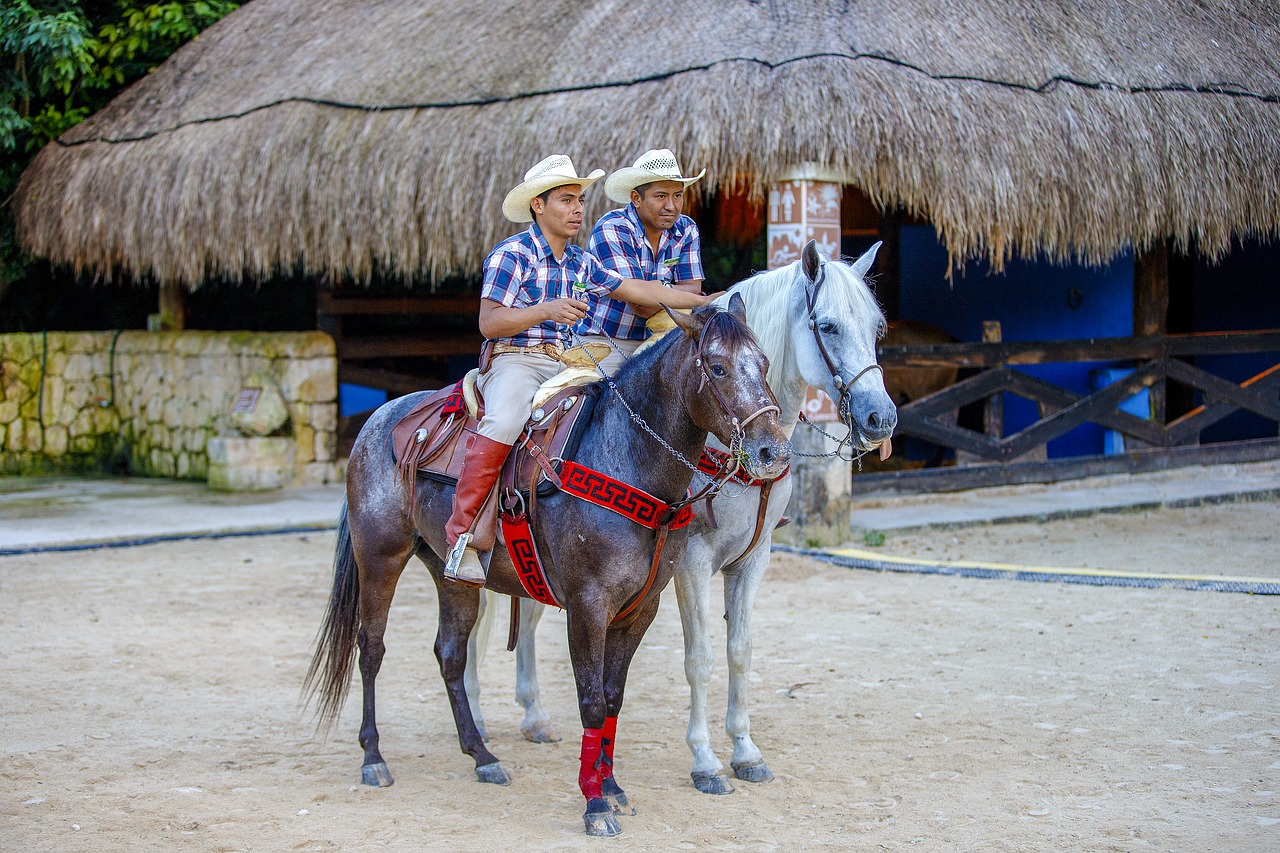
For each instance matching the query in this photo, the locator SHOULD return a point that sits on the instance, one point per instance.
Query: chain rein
(734, 461)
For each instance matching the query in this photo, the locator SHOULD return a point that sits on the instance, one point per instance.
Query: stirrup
(454, 558)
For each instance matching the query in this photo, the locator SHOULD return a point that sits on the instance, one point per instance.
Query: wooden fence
(992, 457)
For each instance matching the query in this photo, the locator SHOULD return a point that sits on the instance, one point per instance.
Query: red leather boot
(480, 470)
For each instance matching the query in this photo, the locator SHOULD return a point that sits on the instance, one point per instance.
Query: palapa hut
(356, 138)
(348, 135)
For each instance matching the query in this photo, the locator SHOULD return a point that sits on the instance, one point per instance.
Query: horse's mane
(767, 296)
(733, 331)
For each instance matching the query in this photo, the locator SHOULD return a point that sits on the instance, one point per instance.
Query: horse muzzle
(767, 456)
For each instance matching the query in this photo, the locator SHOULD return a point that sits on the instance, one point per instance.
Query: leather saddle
(431, 440)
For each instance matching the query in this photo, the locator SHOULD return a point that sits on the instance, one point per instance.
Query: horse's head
(840, 355)
(725, 391)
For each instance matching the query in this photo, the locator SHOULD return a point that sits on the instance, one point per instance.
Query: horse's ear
(862, 264)
(688, 323)
(737, 307)
(810, 261)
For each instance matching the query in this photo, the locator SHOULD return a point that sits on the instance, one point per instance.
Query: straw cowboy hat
(656, 164)
(555, 171)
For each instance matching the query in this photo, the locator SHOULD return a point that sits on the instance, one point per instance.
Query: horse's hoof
(712, 783)
(599, 819)
(493, 774)
(757, 771)
(376, 775)
(617, 798)
(540, 732)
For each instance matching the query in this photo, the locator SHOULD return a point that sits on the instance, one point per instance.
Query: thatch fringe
(1074, 130)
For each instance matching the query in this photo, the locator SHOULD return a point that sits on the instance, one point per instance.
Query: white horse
(817, 321)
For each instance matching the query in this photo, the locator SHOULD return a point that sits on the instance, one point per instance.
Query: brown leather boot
(480, 470)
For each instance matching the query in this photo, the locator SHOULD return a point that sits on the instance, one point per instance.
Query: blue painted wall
(1033, 300)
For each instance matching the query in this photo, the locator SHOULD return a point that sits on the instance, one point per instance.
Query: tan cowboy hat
(555, 171)
(657, 164)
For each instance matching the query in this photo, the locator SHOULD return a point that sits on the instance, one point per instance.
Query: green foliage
(873, 538)
(60, 60)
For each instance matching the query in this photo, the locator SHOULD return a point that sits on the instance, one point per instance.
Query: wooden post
(800, 209)
(1151, 308)
(993, 413)
(172, 309)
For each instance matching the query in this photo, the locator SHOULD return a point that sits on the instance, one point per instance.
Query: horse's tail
(330, 672)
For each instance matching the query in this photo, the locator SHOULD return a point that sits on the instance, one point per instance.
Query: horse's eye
(828, 328)
(718, 371)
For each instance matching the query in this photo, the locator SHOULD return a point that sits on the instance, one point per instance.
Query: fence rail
(991, 456)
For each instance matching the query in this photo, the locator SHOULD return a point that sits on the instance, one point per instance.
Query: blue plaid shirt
(618, 241)
(522, 272)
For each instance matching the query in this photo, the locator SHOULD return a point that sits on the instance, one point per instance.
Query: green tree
(62, 59)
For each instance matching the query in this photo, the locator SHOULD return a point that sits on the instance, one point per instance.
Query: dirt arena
(150, 701)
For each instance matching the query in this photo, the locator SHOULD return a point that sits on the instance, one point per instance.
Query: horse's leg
(740, 586)
(587, 633)
(620, 647)
(536, 725)
(459, 609)
(380, 569)
(693, 592)
(477, 644)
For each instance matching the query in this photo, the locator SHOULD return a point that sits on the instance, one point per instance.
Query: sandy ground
(149, 701)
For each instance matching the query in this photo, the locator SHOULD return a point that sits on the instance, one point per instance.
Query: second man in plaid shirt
(650, 238)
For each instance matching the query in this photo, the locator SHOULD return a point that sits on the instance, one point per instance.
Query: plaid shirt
(522, 272)
(618, 241)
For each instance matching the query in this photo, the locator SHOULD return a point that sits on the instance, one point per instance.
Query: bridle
(707, 381)
(738, 427)
(837, 380)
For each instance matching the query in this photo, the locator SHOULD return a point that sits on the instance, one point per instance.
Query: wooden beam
(1086, 349)
(327, 303)
(1055, 470)
(406, 346)
(396, 383)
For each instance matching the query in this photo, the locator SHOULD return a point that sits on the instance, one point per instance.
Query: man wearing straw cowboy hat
(527, 305)
(649, 238)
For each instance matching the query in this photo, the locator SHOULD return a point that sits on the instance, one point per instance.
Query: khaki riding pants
(508, 387)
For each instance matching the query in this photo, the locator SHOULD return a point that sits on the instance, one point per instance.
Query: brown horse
(647, 424)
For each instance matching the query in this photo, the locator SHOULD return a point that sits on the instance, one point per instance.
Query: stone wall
(148, 402)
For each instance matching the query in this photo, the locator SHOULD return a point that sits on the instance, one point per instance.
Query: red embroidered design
(636, 504)
(524, 556)
(454, 402)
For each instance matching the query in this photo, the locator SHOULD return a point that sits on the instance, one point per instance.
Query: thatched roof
(353, 135)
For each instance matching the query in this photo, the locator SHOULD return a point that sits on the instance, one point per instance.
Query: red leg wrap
(589, 779)
(608, 735)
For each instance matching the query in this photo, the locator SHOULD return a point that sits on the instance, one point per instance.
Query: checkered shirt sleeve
(521, 273)
(616, 241)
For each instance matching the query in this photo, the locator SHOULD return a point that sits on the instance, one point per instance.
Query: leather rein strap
(845, 388)
(712, 462)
